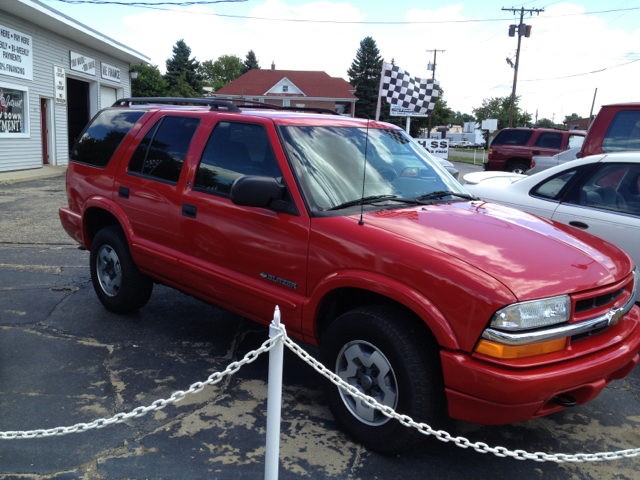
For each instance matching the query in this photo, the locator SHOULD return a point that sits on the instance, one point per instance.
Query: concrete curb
(47, 171)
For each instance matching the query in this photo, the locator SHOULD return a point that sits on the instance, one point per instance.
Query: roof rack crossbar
(256, 104)
(214, 103)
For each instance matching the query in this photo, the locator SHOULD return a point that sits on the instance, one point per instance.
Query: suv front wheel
(116, 279)
(380, 353)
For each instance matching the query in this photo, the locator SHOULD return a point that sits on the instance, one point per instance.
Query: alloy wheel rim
(109, 270)
(365, 367)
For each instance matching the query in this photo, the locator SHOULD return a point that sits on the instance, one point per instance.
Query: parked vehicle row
(418, 294)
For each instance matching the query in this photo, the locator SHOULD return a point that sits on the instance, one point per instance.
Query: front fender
(381, 285)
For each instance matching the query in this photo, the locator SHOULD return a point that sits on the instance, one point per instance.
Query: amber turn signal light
(499, 350)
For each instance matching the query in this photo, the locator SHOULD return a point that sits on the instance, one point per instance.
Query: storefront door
(77, 108)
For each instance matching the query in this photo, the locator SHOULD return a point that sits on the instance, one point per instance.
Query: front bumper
(483, 392)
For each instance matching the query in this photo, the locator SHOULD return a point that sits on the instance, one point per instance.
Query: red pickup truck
(417, 293)
(616, 128)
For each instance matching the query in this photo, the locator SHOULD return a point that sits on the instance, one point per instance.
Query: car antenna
(364, 173)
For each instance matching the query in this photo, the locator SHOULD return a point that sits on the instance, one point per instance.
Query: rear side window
(552, 187)
(162, 151)
(623, 133)
(513, 137)
(549, 140)
(102, 137)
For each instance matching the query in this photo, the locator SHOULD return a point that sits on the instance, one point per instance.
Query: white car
(599, 194)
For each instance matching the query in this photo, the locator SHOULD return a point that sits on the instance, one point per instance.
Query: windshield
(331, 163)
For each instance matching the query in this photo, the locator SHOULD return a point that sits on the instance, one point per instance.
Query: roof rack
(214, 103)
(218, 103)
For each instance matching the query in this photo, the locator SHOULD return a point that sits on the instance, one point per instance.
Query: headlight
(533, 314)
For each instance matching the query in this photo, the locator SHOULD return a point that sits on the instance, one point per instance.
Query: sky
(575, 47)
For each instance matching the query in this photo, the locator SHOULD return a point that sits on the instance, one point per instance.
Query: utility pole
(433, 77)
(523, 31)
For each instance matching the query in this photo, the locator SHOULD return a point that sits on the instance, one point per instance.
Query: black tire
(517, 168)
(413, 356)
(116, 279)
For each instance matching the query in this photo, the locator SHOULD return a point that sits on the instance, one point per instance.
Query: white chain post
(274, 399)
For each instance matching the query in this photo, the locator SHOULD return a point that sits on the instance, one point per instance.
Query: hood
(532, 256)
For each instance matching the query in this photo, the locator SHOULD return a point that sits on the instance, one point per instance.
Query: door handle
(535, 152)
(189, 210)
(580, 225)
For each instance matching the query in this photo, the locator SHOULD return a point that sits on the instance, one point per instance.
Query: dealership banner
(16, 54)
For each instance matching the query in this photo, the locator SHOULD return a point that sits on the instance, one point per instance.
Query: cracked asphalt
(64, 359)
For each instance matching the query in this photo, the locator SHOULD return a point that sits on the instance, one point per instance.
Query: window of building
(14, 111)
(286, 103)
(162, 151)
(103, 136)
(285, 88)
(234, 150)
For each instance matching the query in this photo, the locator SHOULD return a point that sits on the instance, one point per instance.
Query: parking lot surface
(64, 359)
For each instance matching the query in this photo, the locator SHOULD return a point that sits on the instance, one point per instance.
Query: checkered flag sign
(400, 88)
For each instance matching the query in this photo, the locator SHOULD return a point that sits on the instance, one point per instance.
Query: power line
(150, 6)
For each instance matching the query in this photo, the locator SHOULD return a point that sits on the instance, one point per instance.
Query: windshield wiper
(362, 200)
(445, 193)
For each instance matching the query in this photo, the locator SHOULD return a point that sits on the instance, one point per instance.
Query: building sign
(400, 111)
(60, 87)
(109, 72)
(12, 111)
(438, 147)
(83, 64)
(16, 57)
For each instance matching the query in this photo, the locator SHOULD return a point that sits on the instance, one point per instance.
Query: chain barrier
(447, 437)
(405, 420)
(157, 405)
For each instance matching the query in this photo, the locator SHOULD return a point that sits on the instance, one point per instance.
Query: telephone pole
(433, 77)
(523, 31)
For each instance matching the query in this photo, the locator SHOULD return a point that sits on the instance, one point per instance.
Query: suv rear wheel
(520, 168)
(376, 350)
(116, 279)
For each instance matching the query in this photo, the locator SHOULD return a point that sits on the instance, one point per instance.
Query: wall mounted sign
(60, 87)
(82, 63)
(13, 110)
(16, 54)
(109, 72)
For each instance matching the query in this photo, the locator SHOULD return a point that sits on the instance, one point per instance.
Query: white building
(55, 75)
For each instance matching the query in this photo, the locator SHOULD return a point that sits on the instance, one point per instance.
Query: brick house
(293, 88)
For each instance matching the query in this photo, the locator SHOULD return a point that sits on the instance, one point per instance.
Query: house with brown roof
(293, 88)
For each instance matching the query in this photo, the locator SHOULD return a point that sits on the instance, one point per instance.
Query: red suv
(512, 149)
(616, 128)
(417, 293)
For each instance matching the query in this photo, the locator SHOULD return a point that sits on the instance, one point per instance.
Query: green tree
(180, 66)
(546, 123)
(250, 62)
(221, 72)
(364, 75)
(149, 82)
(182, 88)
(462, 118)
(499, 108)
(572, 117)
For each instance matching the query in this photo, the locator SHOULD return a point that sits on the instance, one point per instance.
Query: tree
(364, 75)
(182, 88)
(149, 82)
(498, 108)
(572, 117)
(441, 115)
(546, 123)
(181, 65)
(250, 62)
(462, 118)
(221, 72)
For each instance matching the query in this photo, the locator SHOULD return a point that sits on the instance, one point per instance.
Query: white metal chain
(157, 405)
(445, 436)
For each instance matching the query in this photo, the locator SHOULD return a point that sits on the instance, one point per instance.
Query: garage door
(107, 96)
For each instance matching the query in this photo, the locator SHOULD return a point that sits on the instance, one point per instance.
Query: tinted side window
(552, 187)
(624, 132)
(234, 150)
(102, 137)
(613, 187)
(549, 140)
(163, 149)
(513, 137)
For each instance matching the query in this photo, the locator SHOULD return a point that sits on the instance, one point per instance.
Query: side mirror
(254, 191)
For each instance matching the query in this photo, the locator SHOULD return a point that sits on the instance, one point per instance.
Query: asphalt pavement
(64, 359)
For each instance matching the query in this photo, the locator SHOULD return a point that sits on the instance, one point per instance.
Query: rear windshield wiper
(445, 193)
(362, 200)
